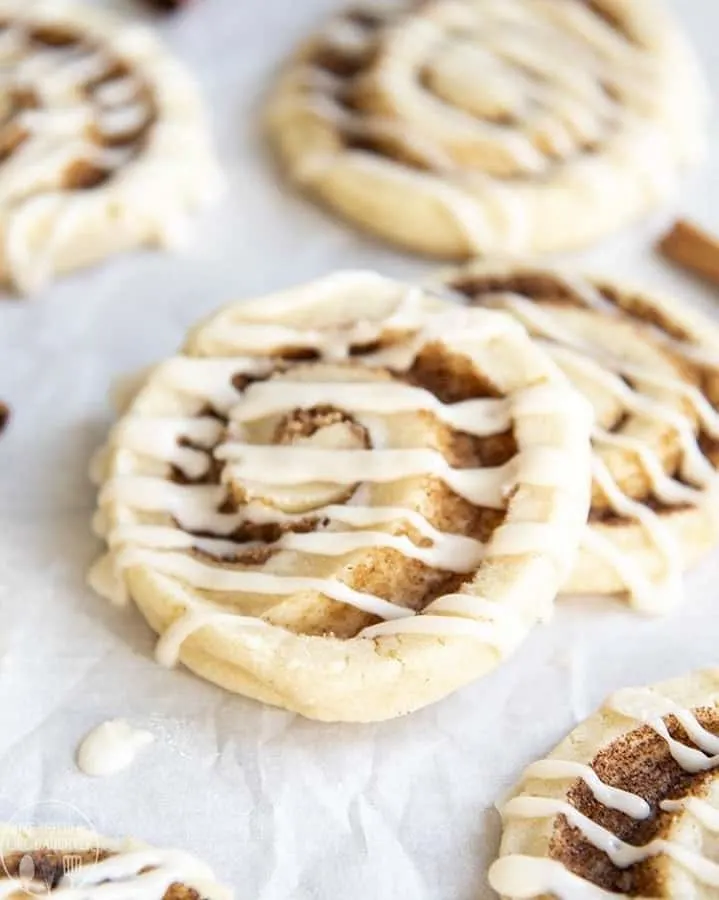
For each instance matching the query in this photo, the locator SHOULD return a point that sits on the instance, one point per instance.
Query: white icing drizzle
(455, 553)
(196, 617)
(59, 132)
(666, 544)
(158, 439)
(117, 92)
(122, 121)
(86, 110)
(706, 814)
(211, 578)
(111, 747)
(667, 489)
(648, 707)
(335, 344)
(438, 626)
(297, 465)
(510, 98)
(578, 357)
(143, 874)
(621, 853)
(529, 877)
(479, 417)
(209, 380)
(520, 876)
(704, 411)
(166, 542)
(694, 464)
(645, 595)
(499, 626)
(587, 362)
(194, 507)
(611, 797)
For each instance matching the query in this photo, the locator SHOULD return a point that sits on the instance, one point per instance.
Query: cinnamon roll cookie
(465, 127)
(348, 499)
(650, 368)
(76, 862)
(626, 806)
(103, 143)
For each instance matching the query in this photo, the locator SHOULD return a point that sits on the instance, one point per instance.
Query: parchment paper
(281, 807)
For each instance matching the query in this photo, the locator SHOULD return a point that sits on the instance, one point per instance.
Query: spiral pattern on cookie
(463, 127)
(103, 145)
(650, 368)
(626, 806)
(350, 473)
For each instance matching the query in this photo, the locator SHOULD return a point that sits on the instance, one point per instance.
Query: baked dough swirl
(465, 127)
(103, 142)
(348, 499)
(626, 806)
(650, 368)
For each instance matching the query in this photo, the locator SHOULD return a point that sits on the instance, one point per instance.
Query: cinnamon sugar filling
(302, 423)
(638, 762)
(83, 173)
(603, 12)
(542, 287)
(538, 286)
(383, 572)
(362, 128)
(636, 307)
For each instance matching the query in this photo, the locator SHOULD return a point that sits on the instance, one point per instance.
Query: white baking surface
(282, 807)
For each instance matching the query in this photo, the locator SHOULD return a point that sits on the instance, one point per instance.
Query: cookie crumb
(4, 416)
(168, 5)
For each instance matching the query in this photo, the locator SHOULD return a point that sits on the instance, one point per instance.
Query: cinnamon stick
(692, 248)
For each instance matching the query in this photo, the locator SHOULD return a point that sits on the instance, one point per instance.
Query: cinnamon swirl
(103, 143)
(348, 499)
(464, 127)
(650, 368)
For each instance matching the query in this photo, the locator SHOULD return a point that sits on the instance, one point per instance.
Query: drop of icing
(111, 747)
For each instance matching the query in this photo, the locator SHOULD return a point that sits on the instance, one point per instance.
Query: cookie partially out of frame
(76, 862)
(457, 128)
(649, 366)
(103, 141)
(348, 499)
(626, 806)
